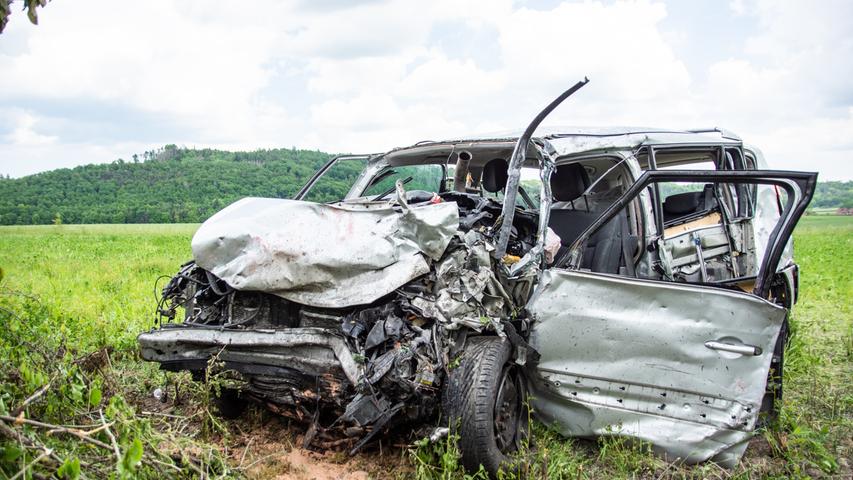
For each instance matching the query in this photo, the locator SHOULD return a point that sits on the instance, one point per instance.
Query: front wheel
(485, 402)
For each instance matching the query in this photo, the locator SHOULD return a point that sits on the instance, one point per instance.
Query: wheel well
(781, 291)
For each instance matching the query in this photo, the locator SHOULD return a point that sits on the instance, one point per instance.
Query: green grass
(72, 290)
(98, 279)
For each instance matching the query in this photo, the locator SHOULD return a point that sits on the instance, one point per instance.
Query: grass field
(73, 299)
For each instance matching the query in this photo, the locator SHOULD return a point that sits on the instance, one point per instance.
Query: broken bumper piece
(312, 351)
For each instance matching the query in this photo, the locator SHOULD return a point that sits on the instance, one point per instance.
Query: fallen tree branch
(46, 453)
(158, 414)
(96, 428)
(32, 398)
(249, 466)
(245, 450)
(82, 435)
(190, 461)
(19, 293)
(10, 313)
(112, 438)
(170, 465)
(22, 439)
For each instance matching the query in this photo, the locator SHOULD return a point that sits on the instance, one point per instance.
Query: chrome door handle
(728, 347)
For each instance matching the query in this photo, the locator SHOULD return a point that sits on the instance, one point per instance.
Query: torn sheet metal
(350, 373)
(631, 357)
(467, 291)
(328, 255)
(311, 350)
(519, 153)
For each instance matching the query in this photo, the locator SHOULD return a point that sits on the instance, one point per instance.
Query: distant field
(823, 211)
(103, 229)
(71, 290)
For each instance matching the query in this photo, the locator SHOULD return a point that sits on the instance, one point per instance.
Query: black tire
(771, 403)
(484, 402)
(230, 404)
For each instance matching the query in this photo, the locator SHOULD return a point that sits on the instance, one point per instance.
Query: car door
(682, 366)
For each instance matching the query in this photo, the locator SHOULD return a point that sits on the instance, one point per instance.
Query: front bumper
(311, 351)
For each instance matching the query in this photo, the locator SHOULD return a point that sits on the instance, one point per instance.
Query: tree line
(833, 195)
(187, 185)
(171, 185)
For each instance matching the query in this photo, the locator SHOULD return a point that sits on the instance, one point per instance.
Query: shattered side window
(414, 177)
(336, 181)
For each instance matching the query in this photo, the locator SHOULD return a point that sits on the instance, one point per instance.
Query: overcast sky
(96, 81)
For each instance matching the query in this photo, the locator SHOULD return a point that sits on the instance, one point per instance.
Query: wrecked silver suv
(622, 282)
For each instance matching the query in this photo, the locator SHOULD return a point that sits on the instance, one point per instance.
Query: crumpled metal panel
(625, 356)
(285, 348)
(469, 293)
(570, 141)
(321, 255)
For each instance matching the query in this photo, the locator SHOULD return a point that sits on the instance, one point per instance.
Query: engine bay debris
(362, 340)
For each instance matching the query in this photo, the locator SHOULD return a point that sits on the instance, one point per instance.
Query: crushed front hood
(323, 255)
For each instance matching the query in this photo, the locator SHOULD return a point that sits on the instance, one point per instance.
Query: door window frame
(319, 173)
(799, 187)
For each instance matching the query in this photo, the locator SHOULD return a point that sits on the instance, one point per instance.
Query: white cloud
(737, 7)
(144, 55)
(372, 119)
(618, 44)
(370, 30)
(444, 79)
(23, 133)
(789, 93)
(356, 76)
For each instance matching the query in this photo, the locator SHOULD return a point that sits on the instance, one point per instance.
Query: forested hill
(833, 195)
(170, 185)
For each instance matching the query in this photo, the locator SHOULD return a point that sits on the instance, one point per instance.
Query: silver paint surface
(323, 255)
(308, 349)
(625, 356)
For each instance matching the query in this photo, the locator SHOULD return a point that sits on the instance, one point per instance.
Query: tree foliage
(180, 185)
(833, 195)
(29, 5)
(173, 185)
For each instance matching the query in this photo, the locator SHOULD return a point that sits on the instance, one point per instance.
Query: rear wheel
(485, 402)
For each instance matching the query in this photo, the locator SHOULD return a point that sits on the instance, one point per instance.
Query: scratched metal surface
(628, 356)
(323, 255)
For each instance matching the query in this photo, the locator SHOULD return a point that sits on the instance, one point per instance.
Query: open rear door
(682, 366)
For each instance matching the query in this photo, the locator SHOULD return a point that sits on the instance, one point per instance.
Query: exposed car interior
(582, 190)
(699, 220)
(683, 207)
